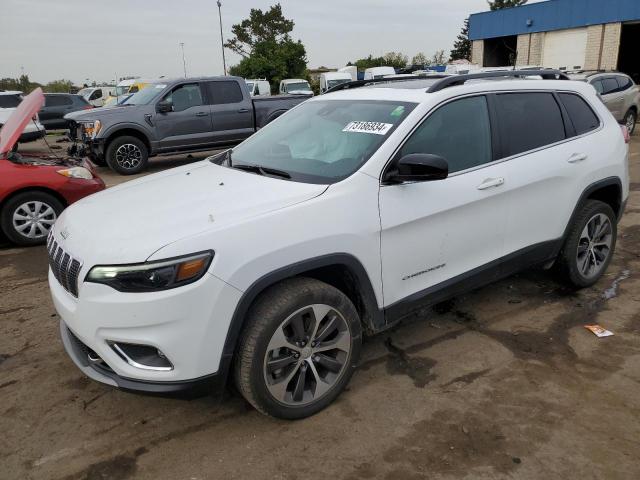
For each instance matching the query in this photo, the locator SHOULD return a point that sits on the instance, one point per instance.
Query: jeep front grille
(64, 267)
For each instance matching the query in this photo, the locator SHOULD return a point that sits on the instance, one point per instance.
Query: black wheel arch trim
(116, 130)
(590, 190)
(374, 318)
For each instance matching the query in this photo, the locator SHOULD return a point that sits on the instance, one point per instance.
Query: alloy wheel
(630, 122)
(594, 246)
(307, 354)
(128, 156)
(34, 219)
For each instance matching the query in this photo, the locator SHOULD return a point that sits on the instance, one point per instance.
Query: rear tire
(590, 245)
(27, 218)
(630, 120)
(319, 333)
(127, 155)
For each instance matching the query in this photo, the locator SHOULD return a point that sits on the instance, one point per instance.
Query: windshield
(292, 87)
(333, 83)
(323, 141)
(9, 101)
(250, 85)
(85, 92)
(122, 90)
(144, 96)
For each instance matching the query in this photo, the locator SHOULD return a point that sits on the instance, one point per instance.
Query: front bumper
(188, 324)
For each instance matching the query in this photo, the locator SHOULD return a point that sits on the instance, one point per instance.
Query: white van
(331, 79)
(295, 86)
(97, 95)
(258, 88)
(461, 68)
(352, 70)
(378, 72)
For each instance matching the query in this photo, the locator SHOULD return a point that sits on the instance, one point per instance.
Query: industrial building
(563, 34)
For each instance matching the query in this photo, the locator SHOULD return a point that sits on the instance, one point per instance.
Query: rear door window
(624, 83)
(9, 101)
(57, 100)
(582, 116)
(528, 121)
(225, 91)
(610, 85)
(459, 131)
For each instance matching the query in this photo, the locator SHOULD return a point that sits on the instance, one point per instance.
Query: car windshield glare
(323, 141)
(144, 96)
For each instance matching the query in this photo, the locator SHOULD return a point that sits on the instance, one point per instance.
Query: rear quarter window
(582, 116)
(57, 100)
(528, 121)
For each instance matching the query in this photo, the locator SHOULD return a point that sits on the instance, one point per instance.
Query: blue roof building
(565, 34)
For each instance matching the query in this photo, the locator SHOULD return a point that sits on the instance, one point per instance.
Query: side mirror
(165, 106)
(418, 167)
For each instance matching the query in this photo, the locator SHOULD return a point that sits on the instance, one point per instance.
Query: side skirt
(478, 277)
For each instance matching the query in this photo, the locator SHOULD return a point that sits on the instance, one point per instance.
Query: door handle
(577, 157)
(491, 183)
(243, 110)
(201, 114)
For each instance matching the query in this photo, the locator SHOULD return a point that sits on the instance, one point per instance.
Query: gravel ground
(501, 383)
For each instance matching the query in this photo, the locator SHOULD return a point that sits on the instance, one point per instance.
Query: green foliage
(420, 59)
(438, 58)
(500, 4)
(369, 62)
(22, 84)
(396, 60)
(267, 49)
(462, 45)
(59, 86)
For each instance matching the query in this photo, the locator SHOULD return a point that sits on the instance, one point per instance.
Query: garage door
(565, 49)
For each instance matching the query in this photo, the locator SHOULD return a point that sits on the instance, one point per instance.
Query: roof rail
(373, 81)
(462, 79)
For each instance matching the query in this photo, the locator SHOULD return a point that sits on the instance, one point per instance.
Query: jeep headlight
(152, 276)
(91, 129)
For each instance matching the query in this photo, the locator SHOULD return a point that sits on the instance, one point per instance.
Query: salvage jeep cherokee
(268, 262)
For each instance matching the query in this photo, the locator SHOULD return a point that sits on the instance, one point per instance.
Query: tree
(267, 49)
(500, 4)
(396, 60)
(462, 46)
(59, 86)
(420, 59)
(438, 58)
(369, 62)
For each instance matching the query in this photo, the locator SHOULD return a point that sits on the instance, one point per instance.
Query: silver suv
(618, 92)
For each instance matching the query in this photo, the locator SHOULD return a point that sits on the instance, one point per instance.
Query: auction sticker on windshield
(377, 128)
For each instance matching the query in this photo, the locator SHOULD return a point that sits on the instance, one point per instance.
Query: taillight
(87, 107)
(625, 133)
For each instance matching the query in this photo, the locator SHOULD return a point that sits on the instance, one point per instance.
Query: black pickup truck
(170, 116)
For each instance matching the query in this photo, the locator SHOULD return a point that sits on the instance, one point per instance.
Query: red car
(34, 189)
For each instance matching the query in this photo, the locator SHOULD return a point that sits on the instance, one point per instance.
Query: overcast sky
(74, 39)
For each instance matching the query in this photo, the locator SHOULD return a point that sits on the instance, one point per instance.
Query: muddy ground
(501, 383)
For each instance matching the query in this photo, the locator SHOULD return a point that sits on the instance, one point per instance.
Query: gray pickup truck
(171, 116)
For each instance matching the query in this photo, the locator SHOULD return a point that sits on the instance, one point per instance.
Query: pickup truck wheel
(630, 120)
(299, 348)
(589, 246)
(127, 155)
(27, 218)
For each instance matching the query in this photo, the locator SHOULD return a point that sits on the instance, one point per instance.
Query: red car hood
(22, 115)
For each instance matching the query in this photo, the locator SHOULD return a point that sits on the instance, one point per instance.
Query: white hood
(130, 222)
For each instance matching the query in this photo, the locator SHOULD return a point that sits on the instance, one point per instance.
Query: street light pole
(224, 62)
(184, 63)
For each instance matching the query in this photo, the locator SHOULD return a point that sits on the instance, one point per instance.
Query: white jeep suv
(269, 262)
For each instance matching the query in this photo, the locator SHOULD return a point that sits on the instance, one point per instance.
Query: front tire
(27, 218)
(630, 120)
(127, 155)
(299, 348)
(589, 246)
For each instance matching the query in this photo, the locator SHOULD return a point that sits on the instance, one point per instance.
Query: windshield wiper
(260, 170)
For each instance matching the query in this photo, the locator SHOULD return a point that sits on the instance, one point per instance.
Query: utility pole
(224, 62)
(184, 63)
